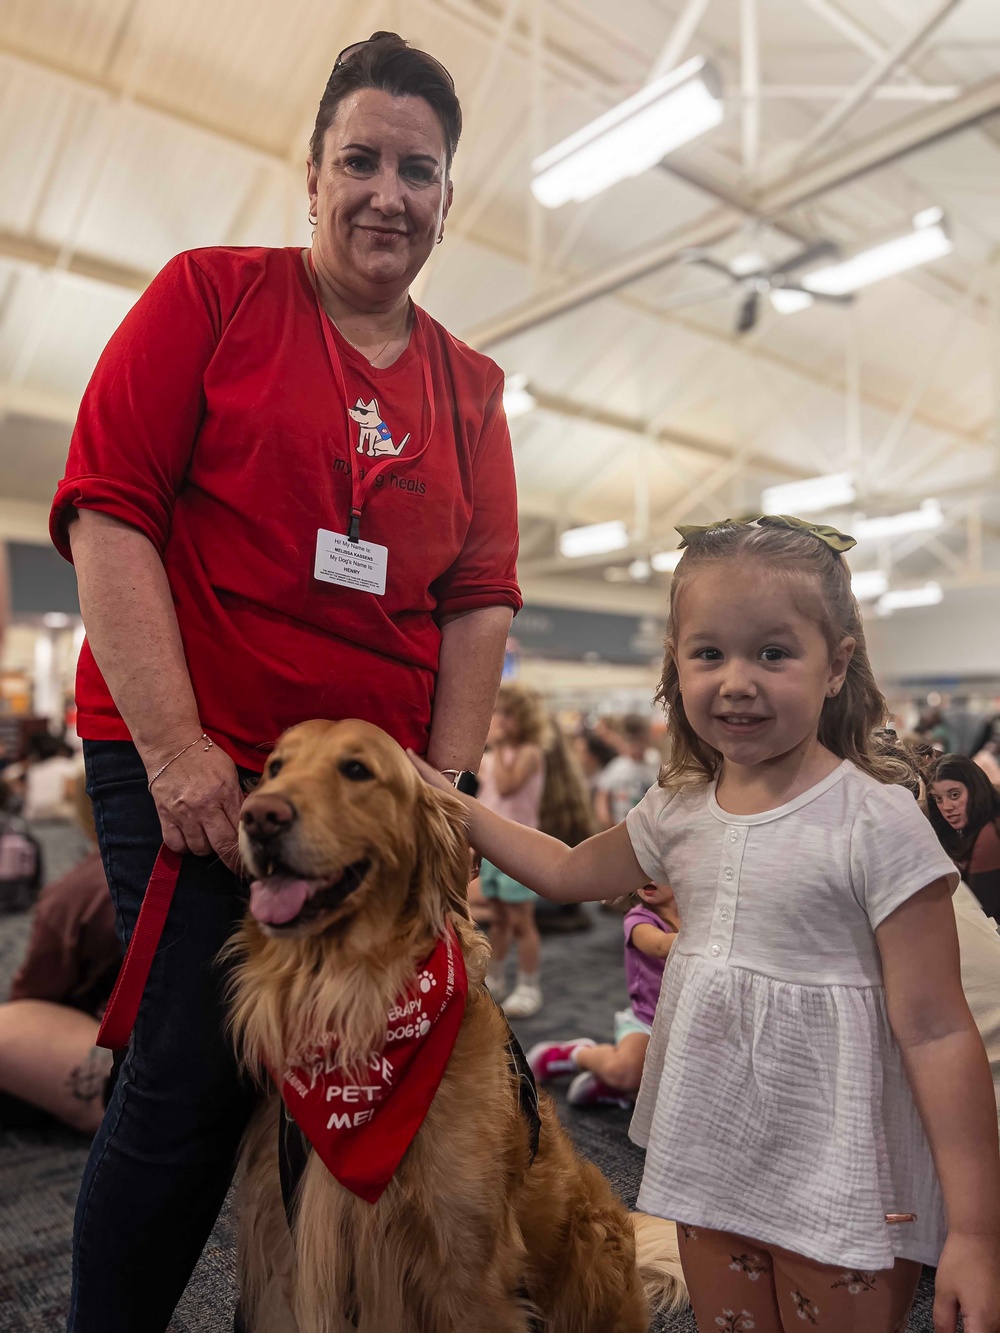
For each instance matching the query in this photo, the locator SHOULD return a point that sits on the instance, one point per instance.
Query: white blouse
(774, 1101)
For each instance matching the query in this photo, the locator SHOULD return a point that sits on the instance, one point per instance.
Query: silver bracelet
(160, 771)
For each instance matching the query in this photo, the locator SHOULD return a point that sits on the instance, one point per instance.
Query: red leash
(119, 1017)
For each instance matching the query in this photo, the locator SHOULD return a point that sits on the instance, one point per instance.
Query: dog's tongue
(278, 898)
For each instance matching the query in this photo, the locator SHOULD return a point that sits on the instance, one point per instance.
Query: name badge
(359, 565)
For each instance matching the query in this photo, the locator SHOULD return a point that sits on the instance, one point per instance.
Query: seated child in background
(610, 1075)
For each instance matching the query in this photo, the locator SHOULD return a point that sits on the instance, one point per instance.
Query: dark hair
(983, 805)
(848, 719)
(387, 63)
(600, 750)
(636, 728)
(986, 733)
(43, 745)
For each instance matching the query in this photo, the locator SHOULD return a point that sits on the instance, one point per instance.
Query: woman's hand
(968, 1281)
(430, 774)
(198, 799)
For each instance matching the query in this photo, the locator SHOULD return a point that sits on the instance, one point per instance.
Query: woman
(48, 1059)
(290, 494)
(964, 808)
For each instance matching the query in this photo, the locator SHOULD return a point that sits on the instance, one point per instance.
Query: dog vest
(361, 1121)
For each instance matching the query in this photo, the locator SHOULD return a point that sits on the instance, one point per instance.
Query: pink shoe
(549, 1059)
(588, 1090)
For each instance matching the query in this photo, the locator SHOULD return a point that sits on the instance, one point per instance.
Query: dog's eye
(355, 771)
(274, 767)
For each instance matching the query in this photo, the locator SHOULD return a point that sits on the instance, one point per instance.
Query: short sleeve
(643, 823)
(894, 852)
(143, 407)
(485, 571)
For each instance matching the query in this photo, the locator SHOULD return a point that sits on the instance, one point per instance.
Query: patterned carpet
(40, 1168)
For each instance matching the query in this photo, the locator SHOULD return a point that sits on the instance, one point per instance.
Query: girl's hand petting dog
(431, 775)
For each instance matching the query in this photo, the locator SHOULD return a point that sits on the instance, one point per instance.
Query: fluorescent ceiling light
(640, 570)
(594, 539)
(868, 584)
(631, 137)
(925, 519)
(789, 302)
(665, 561)
(809, 496)
(902, 599)
(516, 398)
(927, 240)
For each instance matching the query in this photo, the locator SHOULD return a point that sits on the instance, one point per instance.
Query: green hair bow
(837, 541)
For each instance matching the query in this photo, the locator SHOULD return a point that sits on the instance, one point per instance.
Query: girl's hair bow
(837, 541)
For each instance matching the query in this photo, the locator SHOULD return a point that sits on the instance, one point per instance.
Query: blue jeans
(164, 1156)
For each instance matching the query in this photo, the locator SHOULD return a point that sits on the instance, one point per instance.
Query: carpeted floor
(40, 1169)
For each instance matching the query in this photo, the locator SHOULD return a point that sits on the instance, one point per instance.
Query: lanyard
(360, 486)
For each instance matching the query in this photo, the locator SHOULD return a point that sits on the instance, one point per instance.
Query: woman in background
(48, 1059)
(964, 808)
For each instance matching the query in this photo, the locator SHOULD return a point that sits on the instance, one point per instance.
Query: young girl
(511, 780)
(813, 1058)
(610, 1075)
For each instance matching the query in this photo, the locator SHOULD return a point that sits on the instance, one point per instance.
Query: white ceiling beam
(887, 92)
(880, 149)
(33, 253)
(883, 68)
(591, 286)
(109, 93)
(679, 39)
(663, 435)
(750, 88)
(848, 27)
(566, 64)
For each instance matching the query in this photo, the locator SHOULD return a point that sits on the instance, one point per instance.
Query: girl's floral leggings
(743, 1286)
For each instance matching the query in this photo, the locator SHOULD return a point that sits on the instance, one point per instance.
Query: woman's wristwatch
(452, 774)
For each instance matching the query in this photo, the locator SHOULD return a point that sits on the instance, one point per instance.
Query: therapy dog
(433, 1194)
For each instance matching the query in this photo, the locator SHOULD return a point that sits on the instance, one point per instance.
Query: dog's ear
(444, 862)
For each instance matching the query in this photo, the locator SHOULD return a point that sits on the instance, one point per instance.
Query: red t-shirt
(213, 424)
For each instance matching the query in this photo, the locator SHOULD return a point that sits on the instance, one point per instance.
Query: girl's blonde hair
(525, 707)
(849, 718)
(565, 812)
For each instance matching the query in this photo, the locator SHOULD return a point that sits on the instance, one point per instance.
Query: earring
(313, 219)
(439, 239)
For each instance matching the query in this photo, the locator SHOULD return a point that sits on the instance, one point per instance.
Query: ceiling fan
(752, 276)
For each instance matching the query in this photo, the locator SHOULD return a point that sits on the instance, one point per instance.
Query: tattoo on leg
(86, 1082)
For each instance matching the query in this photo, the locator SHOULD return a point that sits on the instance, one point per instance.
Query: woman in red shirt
(289, 494)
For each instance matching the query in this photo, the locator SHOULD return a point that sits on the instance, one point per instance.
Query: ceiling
(133, 129)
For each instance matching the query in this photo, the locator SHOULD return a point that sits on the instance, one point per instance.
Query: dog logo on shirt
(375, 437)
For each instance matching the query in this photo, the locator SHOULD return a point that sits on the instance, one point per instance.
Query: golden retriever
(360, 865)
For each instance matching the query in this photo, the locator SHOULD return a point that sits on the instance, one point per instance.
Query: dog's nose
(265, 816)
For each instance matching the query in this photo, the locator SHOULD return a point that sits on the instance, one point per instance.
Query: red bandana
(361, 1129)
